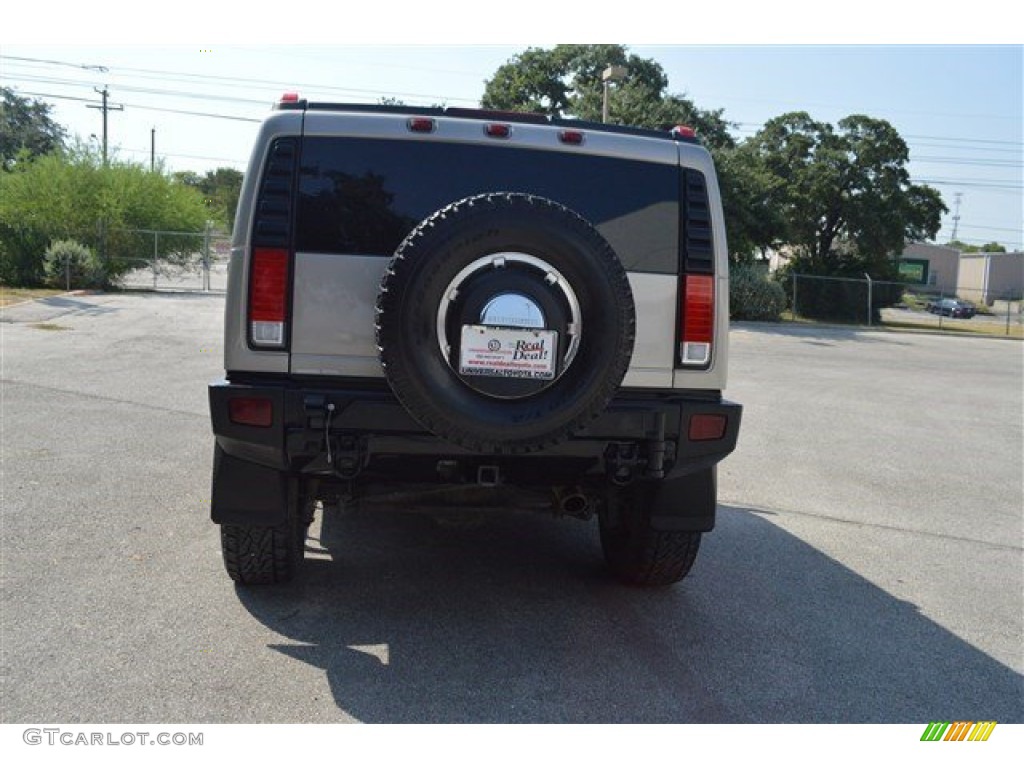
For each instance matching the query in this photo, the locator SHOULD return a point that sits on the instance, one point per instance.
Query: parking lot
(867, 564)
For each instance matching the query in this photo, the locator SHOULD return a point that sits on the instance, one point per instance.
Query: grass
(9, 296)
(50, 327)
(949, 325)
(1016, 331)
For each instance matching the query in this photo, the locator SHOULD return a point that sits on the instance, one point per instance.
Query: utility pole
(105, 106)
(956, 212)
(152, 149)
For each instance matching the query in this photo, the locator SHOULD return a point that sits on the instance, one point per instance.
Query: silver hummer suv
(485, 308)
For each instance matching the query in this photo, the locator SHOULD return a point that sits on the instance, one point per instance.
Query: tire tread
(635, 552)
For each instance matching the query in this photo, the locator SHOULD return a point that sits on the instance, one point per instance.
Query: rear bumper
(371, 433)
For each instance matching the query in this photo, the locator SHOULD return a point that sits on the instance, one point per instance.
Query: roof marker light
(498, 130)
(571, 137)
(289, 98)
(421, 124)
(684, 132)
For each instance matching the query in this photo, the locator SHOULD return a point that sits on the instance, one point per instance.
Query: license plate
(512, 353)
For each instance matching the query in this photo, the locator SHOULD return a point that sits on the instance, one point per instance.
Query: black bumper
(369, 440)
(368, 419)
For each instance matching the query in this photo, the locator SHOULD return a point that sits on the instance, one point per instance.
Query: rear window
(363, 196)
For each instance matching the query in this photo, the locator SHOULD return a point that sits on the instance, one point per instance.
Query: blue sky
(959, 107)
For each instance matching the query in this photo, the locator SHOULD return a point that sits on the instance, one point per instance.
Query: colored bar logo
(960, 730)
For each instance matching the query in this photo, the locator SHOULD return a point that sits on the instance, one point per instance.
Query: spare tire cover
(505, 322)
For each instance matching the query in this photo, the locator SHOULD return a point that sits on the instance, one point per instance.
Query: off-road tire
(256, 554)
(636, 553)
(413, 289)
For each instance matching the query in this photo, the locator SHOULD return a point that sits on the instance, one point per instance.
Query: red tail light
(268, 296)
(698, 318)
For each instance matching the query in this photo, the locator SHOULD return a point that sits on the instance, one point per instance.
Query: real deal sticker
(521, 353)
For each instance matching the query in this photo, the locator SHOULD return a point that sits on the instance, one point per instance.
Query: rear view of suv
(481, 307)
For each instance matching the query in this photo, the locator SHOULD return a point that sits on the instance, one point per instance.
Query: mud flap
(686, 502)
(245, 493)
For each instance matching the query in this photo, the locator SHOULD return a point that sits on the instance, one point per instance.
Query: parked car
(952, 308)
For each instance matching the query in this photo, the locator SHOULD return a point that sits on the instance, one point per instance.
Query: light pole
(613, 73)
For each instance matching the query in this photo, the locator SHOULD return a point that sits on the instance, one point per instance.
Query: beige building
(978, 277)
(988, 277)
(937, 265)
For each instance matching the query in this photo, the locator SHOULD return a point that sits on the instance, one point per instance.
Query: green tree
(565, 81)
(752, 200)
(220, 189)
(74, 197)
(844, 192)
(963, 247)
(993, 247)
(26, 129)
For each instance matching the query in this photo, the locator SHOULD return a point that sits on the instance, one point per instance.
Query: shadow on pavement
(53, 307)
(514, 620)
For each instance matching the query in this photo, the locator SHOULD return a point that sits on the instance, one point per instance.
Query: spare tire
(505, 322)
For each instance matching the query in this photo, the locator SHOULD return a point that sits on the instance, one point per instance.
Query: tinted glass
(363, 196)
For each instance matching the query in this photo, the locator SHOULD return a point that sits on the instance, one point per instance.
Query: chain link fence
(874, 302)
(149, 259)
(192, 261)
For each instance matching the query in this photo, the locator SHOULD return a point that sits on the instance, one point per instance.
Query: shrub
(20, 262)
(69, 264)
(752, 296)
(75, 196)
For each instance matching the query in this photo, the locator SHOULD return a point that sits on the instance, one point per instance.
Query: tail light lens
(251, 411)
(421, 125)
(707, 426)
(268, 297)
(698, 318)
(498, 130)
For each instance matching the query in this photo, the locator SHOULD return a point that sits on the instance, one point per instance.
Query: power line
(150, 91)
(145, 152)
(94, 67)
(152, 109)
(968, 148)
(1017, 231)
(192, 77)
(965, 141)
(999, 184)
(979, 162)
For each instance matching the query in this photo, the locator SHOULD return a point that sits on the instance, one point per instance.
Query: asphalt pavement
(866, 567)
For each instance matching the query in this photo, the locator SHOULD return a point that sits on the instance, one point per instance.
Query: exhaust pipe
(572, 502)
